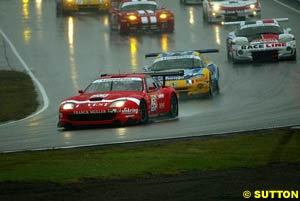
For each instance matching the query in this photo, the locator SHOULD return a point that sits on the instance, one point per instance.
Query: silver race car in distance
(260, 40)
(230, 10)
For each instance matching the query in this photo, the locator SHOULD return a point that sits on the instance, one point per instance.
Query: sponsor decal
(161, 105)
(123, 111)
(154, 104)
(263, 46)
(269, 40)
(161, 95)
(90, 112)
(129, 111)
(99, 96)
(118, 79)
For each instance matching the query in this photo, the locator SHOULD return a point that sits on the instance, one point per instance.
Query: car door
(155, 96)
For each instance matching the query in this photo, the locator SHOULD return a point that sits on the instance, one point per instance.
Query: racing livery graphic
(120, 99)
(201, 75)
(141, 15)
(260, 40)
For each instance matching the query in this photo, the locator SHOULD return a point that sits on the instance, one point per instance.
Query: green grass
(155, 158)
(18, 98)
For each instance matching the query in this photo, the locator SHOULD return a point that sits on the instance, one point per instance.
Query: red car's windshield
(115, 84)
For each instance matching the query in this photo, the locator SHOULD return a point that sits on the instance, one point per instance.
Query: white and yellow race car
(201, 75)
(68, 6)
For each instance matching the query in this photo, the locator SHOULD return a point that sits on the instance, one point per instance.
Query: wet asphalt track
(66, 53)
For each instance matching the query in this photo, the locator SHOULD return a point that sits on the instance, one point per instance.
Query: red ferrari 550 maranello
(119, 99)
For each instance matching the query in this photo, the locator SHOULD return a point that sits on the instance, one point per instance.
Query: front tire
(143, 112)
(210, 93)
(294, 57)
(173, 106)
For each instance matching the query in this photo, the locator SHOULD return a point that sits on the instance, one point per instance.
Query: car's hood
(264, 38)
(141, 13)
(107, 97)
(233, 3)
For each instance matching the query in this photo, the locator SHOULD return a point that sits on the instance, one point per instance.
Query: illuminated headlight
(68, 106)
(119, 103)
(252, 6)
(216, 8)
(132, 17)
(163, 16)
(70, 1)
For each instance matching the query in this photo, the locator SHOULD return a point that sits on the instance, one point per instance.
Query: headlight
(285, 39)
(240, 41)
(119, 103)
(163, 16)
(68, 106)
(132, 17)
(252, 6)
(70, 1)
(216, 8)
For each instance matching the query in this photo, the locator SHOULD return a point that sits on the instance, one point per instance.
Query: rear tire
(143, 112)
(173, 106)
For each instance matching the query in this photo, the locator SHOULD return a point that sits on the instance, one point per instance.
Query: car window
(140, 6)
(123, 84)
(169, 64)
(150, 82)
(250, 31)
(198, 63)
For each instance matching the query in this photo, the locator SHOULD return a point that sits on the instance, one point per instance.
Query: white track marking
(34, 79)
(287, 6)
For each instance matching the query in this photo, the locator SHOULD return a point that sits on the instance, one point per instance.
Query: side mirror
(288, 30)
(80, 91)
(145, 68)
(151, 88)
(113, 9)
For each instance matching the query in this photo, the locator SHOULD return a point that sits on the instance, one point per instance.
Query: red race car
(120, 99)
(141, 15)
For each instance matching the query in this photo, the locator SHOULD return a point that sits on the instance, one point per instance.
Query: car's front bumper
(287, 50)
(127, 26)
(184, 87)
(70, 119)
(223, 16)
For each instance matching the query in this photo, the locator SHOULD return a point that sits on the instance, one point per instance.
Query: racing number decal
(154, 104)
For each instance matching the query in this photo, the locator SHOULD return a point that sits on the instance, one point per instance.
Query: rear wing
(163, 74)
(251, 22)
(203, 51)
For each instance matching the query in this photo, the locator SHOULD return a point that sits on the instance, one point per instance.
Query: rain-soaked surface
(66, 52)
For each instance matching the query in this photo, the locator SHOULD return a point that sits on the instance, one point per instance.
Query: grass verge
(18, 98)
(154, 158)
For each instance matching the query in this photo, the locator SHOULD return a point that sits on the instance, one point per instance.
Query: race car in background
(120, 99)
(191, 1)
(201, 75)
(228, 10)
(260, 40)
(69, 6)
(141, 15)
